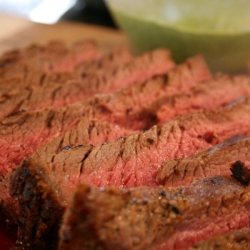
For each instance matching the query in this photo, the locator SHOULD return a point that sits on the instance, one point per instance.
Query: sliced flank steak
(58, 95)
(154, 218)
(234, 240)
(23, 132)
(217, 160)
(208, 95)
(12, 86)
(128, 162)
(94, 108)
(52, 57)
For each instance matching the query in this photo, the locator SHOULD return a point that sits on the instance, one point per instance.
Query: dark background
(90, 11)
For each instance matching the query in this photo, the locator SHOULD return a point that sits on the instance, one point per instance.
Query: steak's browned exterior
(153, 218)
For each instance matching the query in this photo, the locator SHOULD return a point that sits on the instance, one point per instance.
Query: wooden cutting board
(17, 32)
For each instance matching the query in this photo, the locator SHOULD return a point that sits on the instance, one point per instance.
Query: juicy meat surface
(154, 218)
(128, 162)
(52, 57)
(215, 161)
(235, 240)
(114, 78)
(13, 88)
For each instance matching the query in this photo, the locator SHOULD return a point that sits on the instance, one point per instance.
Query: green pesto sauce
(225, 51)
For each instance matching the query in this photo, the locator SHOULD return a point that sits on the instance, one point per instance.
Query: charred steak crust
(240, 172)
(36, 196)
(153, 218)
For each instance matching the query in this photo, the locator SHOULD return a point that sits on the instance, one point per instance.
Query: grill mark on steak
(54, 94)
(131, 160)
(41, 79)
(82, 161)
(143, 218)
(49, 119)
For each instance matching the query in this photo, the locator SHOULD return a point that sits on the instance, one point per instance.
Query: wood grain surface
(17, 33)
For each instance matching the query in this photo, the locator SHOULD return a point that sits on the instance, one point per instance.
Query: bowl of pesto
(220, 30)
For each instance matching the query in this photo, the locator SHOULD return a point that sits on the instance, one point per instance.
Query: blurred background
(50, 11)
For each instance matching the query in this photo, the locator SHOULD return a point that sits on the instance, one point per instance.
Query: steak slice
(120, 105)
(53, 57)
(128, 162)
(208, 95)
(154, 218)
(58, 95)
(235, 240)
(15, 85)
(215, 161)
